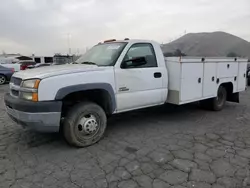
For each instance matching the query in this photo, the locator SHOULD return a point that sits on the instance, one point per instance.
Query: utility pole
(68, 37)
(3, 52)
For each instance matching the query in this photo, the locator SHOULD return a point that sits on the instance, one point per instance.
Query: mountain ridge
(209, 44)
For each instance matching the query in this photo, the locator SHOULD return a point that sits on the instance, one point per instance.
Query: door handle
(157, 75)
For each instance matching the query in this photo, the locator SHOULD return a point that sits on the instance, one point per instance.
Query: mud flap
(233, 97)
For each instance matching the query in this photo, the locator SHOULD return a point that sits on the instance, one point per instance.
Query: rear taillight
(12, 70)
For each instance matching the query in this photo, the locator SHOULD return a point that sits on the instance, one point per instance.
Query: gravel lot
(160, 147)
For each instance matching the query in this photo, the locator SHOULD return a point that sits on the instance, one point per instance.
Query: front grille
(16, 81)
(14, 91)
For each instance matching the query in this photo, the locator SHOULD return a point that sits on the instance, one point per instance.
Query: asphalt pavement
(161, 147)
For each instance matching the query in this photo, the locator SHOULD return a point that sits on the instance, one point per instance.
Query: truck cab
(141, 77)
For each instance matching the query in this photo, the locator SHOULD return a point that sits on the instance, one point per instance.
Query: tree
(232, 54)
(168, 54)
(178, 52)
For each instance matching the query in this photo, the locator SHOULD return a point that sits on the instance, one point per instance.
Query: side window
(145, 50)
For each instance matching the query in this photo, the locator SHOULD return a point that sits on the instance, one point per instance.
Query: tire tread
(71, 118)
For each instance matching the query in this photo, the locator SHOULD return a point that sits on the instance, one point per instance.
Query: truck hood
(55, 70)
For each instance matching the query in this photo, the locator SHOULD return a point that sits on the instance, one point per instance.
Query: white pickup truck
(114, 77)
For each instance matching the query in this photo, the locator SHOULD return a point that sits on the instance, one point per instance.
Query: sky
(45, 27)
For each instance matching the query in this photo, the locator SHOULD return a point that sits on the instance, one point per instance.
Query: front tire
(85, 124)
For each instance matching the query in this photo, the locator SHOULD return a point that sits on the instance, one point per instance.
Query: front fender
(63, 92)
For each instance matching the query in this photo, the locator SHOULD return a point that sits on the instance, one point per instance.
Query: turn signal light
(35, 97)
(37, 82)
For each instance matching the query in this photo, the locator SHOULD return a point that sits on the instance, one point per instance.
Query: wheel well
(229, 88)
(98, 96)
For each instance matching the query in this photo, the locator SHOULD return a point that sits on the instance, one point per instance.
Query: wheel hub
(88, 125)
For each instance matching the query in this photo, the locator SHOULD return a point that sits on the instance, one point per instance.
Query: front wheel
(85, 124)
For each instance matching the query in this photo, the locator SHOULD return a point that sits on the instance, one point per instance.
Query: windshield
(102, 54)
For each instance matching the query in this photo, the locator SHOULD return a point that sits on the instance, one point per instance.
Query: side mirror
(137, 61)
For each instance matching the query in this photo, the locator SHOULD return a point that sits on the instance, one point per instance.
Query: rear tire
(217, 103)
(2, 79)
(85, 124)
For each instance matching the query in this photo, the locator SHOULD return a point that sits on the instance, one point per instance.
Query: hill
(209, 44)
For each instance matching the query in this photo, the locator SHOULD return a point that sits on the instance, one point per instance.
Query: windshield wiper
(88, 63)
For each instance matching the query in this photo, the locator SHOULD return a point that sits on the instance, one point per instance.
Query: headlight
(29, 90)
(26, 95)
(31, 83)
(29, 96)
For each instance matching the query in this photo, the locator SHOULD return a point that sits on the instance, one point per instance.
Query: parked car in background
(25, 63)
(38, 65)
(16, 67)
(5, 74)
(58, 63)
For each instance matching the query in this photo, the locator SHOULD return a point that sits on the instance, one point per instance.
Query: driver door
(139, 86)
